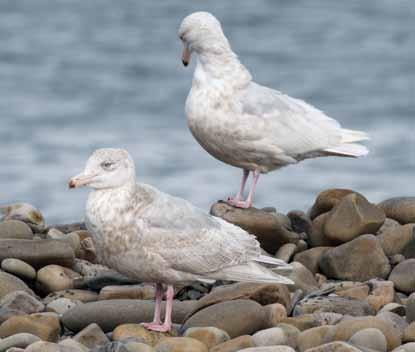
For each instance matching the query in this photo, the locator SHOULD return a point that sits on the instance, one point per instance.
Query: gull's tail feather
(351, 136)
(282, 266)
(352, 150)
(249, 272)
(348, 147)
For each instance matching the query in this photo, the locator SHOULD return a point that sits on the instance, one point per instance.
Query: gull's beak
(80, 180)
(186, 55)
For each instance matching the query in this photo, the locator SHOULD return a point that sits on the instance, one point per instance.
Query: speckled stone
(19, 268)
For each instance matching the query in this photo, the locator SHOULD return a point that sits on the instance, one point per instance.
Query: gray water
(76, 75)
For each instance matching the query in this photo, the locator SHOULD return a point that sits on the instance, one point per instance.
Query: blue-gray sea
(76, 75)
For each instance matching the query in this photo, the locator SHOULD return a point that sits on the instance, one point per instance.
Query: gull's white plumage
(248, 125)
(151, 236)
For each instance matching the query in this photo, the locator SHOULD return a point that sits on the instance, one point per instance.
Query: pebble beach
(353, 268)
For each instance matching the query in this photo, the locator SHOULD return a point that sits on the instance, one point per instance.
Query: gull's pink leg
(157, 310)
(166, 326)
(248, 202)
(238, 198)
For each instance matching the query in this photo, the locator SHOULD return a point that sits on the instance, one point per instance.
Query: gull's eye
(107, 165)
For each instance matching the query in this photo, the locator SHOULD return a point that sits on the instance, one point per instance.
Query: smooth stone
(180, 344)
(396, 320)
(26, 213)
(317, 238)
(71, 238)
(351, 217)
(267, 227)
(231, 317)
(394, 308)
(91, 336)
(283, 334)
(403, 277)
(275, 313)
(61, 305)
(99, 282)
(348, 327)
(139, 333)
(44, 325)
(333, 304)
(10, 283)
(409, 333)
(23, 301)
(268, 349)
(132, 346)
(302, 322)
(401, 209)
(315, 337)
(21, 340)
(369, 338)
(396, 239)
(264, 294)
(43, 346)
(15, 349)
(383, 292)
(300, 221)
(336, 346)
(6, 313)
(14, 229)
(360, 292)
(109, 314)
(286, 252)
(67, 228)
(408, 347)
(303, 278)
(19, 268)
(358, 260)
(53, 278)
(302, 245)
(327, 199)
(410, 308)
(310, 258)
(209, 336)
(127, 292)
(235, 344)
(84, 296)
(74, 345)
(38, 253)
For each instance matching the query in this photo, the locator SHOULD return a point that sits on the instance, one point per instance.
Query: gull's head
(106, 168)
(202, 33)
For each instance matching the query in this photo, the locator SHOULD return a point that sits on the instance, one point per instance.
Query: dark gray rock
(111, 313)
(38, 253)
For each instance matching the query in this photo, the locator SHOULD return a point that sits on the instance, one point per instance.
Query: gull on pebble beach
(248, 125)
(151, 236)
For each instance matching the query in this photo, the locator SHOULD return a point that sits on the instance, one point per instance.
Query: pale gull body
(151, 236)
(248, 125)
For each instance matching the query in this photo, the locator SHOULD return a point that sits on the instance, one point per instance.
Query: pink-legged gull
(151, 236)
(248, 125)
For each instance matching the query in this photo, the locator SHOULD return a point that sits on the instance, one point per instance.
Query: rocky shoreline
(353, 268)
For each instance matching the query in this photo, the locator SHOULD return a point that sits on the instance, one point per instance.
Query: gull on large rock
(247, 125)
(151, 236)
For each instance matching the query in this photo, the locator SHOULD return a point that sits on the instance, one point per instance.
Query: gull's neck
(103, 199)
(222, 66)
